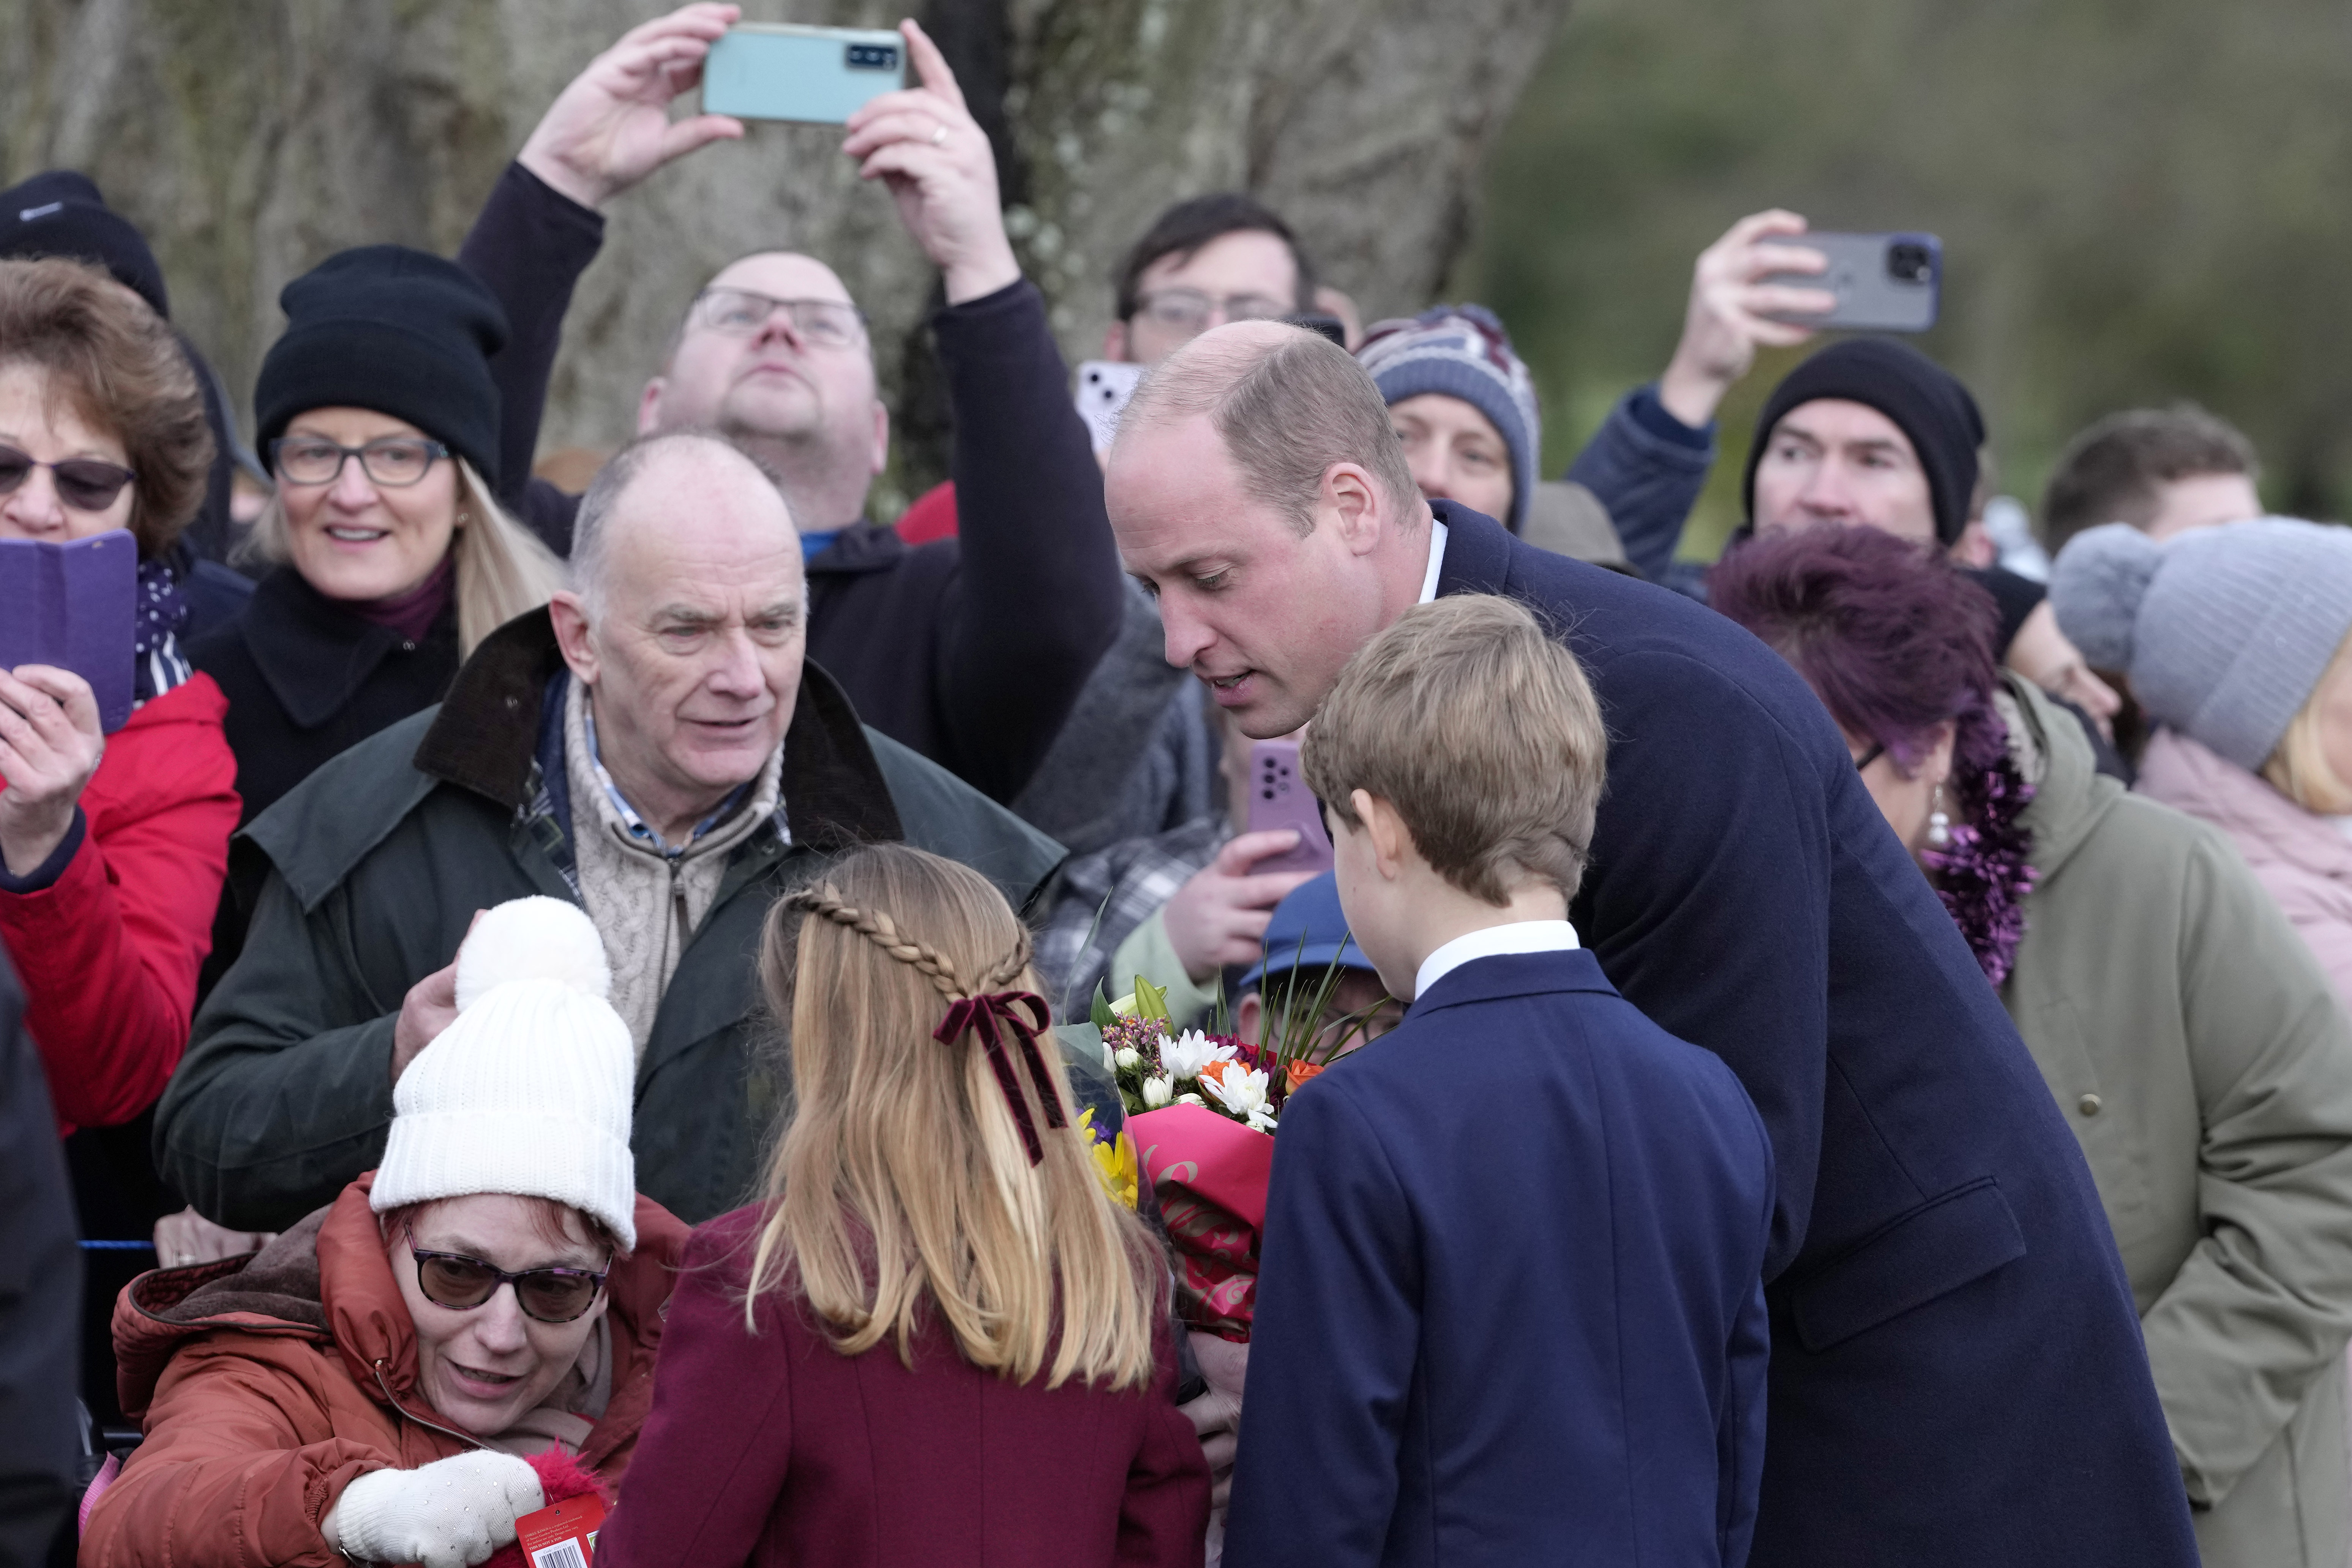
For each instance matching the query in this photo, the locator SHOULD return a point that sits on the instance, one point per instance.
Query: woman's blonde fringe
(901, 1186)
(503, 570)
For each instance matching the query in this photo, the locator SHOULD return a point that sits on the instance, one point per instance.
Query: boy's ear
(1248, 1018)
(1392, 839)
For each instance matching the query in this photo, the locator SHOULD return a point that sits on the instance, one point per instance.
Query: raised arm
(607, 131)
(1037, 601)
(1649, 460)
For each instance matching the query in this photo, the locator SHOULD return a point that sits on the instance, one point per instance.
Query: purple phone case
(72, 605)
(1280, 798)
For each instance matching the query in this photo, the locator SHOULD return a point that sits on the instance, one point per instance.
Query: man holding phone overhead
(773, 353)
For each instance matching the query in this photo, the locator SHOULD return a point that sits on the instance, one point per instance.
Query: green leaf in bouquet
(1151, 1001)
(1102, 1017)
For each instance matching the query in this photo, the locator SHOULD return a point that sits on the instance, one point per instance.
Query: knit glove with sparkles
(451, 1513)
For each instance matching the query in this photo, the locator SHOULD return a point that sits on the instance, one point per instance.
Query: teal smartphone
(776, 71)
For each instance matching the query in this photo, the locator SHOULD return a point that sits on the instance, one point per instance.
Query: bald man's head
(1287, 403)
(700, 464)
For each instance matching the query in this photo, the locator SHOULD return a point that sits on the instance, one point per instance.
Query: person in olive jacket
(654, 747)
(2192, 1044)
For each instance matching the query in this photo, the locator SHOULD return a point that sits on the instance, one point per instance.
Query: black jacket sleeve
(1036, 602)
(40, 1300)
(529, 245)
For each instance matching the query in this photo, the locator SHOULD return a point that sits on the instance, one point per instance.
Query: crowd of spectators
(1837, 1054)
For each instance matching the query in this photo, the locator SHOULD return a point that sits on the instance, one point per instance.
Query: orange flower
(1300, 1070)
(1215, 1072)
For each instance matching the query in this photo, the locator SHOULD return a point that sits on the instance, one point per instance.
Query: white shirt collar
(1436, 561)
(1494, 942)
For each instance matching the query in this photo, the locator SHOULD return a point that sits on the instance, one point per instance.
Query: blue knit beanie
(1462, 352)
(2224, 631)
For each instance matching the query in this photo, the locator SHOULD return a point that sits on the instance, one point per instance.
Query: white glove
(451, 1513)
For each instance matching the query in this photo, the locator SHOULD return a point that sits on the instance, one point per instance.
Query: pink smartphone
(1280, 798)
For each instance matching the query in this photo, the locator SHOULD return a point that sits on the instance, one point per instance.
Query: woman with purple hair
(2190, 1041)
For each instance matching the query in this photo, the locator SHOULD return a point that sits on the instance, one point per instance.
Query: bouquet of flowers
(1202, 1108)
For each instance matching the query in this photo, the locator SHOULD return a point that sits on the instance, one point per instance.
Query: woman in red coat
(111, 847)
(938, 1343)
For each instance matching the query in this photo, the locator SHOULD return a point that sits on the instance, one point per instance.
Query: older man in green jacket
(653, 747)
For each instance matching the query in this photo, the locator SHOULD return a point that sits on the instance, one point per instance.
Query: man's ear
(881, 435)
(649, 406)
(1248, 1018)
(1115, 342)
(570, 615)
(1353, 501)
(1392, 839)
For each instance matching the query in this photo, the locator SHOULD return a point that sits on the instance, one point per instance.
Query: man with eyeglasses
(969, 651)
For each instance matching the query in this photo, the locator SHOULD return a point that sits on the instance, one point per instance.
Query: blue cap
(1309, 931)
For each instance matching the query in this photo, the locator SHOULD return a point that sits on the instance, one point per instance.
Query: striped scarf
(160, 616)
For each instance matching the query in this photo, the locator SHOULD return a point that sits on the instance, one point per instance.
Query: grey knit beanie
(1462, 352)
(2224, 631)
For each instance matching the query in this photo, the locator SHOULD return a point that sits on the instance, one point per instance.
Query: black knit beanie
(60, 212)
(1925, 401)
(398, 331)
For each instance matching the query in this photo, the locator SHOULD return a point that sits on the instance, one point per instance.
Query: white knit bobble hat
(528, 1092)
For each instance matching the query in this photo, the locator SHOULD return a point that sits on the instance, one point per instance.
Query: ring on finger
(938, 135)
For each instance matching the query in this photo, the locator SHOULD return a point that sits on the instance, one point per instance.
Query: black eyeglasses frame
(422, 1257)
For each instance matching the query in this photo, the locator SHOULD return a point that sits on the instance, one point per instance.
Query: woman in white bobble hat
(464, 1330)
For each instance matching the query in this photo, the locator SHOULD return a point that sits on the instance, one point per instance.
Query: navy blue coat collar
(1477, 551)
(1508, 975)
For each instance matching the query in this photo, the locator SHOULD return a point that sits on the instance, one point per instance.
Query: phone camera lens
(1909, 262)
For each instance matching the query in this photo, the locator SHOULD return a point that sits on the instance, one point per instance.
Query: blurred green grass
(2139, 203)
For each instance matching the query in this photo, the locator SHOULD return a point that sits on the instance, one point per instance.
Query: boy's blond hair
(1483, 734)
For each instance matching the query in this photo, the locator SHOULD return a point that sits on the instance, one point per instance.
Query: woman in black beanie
(380, 423)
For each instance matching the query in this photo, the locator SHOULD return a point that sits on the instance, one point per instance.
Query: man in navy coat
(1957, 1373)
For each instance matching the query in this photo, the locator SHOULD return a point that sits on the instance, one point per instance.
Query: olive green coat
(369, 874)
(2205, 1064)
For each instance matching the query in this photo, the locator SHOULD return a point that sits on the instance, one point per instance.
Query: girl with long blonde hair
(936, 1338)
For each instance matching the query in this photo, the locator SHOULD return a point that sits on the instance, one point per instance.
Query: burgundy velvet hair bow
(981, 1015)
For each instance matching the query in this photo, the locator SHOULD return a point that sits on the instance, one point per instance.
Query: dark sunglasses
(85, 484)
(452, 1279)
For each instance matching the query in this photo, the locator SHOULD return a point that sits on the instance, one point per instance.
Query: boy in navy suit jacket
(1510, 1309)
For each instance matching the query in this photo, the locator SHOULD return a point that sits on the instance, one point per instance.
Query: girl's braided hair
(877, 926)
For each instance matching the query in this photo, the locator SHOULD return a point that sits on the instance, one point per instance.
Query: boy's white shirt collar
(1494, 942)
(1436, 560)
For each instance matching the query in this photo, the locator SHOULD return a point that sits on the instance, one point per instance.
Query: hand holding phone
(50, 747)
(1104, 387)
(1880, 282)
(610, 127)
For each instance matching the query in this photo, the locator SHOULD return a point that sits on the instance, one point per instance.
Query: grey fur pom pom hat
(2222, 631)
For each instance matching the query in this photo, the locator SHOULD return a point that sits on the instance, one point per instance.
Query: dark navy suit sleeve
(1708, 900)
(1741, 1453)
(1647, 467)
(1332, 1349)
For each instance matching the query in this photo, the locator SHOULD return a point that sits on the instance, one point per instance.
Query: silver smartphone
(1884, 282)
(820, 76)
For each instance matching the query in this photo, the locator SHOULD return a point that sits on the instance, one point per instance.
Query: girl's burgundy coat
(776, 1448)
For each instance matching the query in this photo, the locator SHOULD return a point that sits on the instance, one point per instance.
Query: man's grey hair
(1287, 405)
(591, 543)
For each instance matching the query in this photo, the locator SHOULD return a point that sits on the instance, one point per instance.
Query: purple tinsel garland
(1982, 876)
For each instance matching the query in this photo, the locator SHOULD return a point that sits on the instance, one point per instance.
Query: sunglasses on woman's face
(85, 484)
(460, 1283)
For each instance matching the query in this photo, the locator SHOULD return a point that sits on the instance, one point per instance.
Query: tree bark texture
(250, 138)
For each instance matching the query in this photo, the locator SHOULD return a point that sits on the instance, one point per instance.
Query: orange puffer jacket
(266, 1383)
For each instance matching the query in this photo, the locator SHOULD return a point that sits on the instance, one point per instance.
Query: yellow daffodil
(1114, 1160)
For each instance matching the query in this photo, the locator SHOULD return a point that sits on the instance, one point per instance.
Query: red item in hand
(1211, 1174)
(576, 1503)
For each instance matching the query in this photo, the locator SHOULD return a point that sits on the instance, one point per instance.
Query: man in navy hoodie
(1511, 1307)
(1957, 1370)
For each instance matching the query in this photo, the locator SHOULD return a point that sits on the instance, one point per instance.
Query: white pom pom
(2095, 588)
(532, 939)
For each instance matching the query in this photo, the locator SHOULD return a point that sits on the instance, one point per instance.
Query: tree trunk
(249, 139)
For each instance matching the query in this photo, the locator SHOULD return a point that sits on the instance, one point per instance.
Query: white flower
(1261, 1121)
(1244, 1092)
(1192, 1100)
(1157, 1092)
(1127, 1058)
(1186, 1054)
